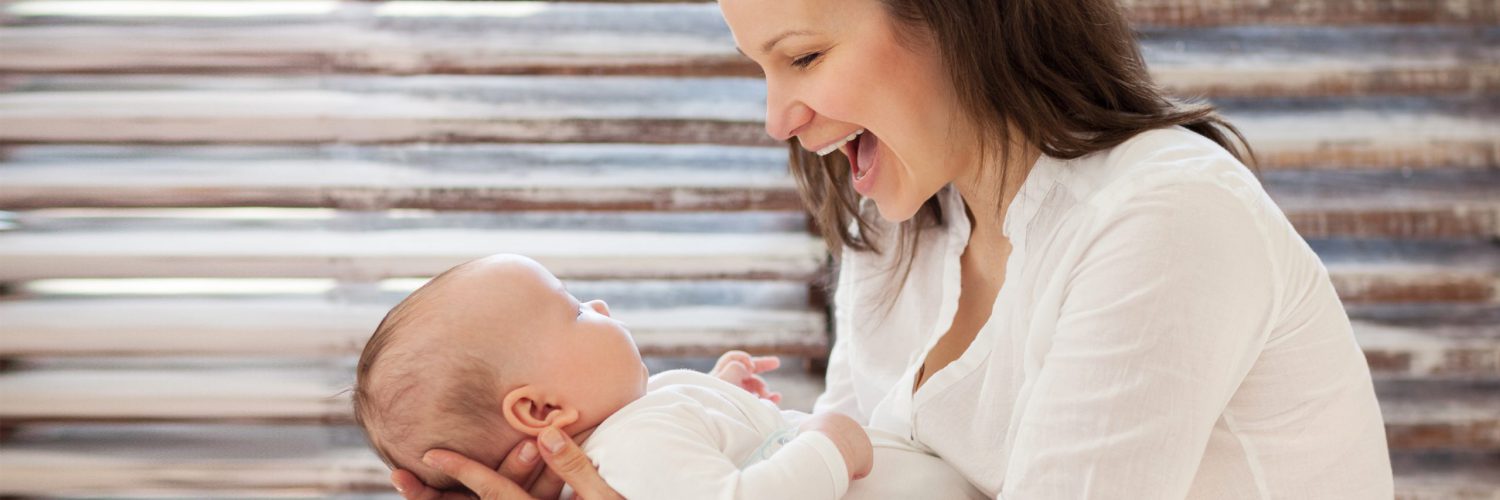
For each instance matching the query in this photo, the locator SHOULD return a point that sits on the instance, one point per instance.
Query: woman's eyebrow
(770, 44)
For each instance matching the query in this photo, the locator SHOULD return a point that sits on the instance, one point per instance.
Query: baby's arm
(677, 458)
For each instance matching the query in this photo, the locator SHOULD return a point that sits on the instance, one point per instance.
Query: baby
(494, 351)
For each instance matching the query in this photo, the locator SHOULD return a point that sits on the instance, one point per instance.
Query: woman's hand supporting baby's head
(485, 355)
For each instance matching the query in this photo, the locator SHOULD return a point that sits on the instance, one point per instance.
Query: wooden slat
(1446, 476)
(1147, 12)
(370, 255)
(203, 393)
(1362, 271)
(1438, 203)
(1378, 133)
(1425, 415)
(386, 110)
(1321, 204)
(254, 461)
(1436, 341)
(1431, 352)
(1418, 416)
(453, 177)
(1277, 61)
(312, 327)
(692, 40)
(277, 394)
(1312, 12)
(1389, 272)
(190, 461)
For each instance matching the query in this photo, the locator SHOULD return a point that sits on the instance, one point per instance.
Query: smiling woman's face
(835, 68)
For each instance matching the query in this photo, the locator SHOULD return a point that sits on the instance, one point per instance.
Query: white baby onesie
(694, 436)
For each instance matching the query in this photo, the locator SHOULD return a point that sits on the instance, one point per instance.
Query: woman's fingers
(564, 458)
(549, 486)
(412, 488)
(485, 482)
(519, 466)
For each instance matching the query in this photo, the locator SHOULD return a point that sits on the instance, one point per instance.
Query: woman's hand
(566, 463)
(742, 369)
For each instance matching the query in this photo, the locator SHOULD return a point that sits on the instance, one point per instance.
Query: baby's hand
(851, 439)
(739, 368)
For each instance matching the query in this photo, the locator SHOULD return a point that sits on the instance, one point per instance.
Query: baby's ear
(530, 411)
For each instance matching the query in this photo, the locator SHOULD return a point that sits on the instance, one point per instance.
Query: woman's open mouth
(863, 153)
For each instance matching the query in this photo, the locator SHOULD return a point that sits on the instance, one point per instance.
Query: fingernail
(528, 453)
(430, 460)
(398, 487)
(552, 439)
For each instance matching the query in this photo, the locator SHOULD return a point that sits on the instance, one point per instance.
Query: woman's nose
(785, 116)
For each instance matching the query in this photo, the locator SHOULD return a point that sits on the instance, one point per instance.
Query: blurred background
(208, 205)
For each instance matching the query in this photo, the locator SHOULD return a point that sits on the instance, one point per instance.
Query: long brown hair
(1067, 77)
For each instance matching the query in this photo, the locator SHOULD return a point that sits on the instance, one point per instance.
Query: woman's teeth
(835, 146)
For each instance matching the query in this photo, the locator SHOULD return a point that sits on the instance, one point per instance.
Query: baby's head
(484, 355)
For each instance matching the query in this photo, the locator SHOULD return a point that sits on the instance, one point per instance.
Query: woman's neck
(986, 200)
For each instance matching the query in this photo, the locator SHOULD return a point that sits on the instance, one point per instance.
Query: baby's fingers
(765, 363)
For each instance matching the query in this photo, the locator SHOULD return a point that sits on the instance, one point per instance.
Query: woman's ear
(530, 411)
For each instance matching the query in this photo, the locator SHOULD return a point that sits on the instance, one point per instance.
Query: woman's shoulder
(1153, 159)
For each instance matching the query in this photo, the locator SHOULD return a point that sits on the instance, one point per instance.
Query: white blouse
(1162, 332)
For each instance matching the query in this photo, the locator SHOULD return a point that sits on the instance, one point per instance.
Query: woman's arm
(1163, 317)
(838, 395)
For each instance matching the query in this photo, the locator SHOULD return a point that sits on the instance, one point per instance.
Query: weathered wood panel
(1342, 133)
(1440, 203)
(252, 461)
(1423, 415)
(309, 327)
(604, 177)
(1419, 416)
(1438, 351)
(1312, 12)
(1177, 13)
(371, 255)
(692, 40)
(1430, 204)
(214, 461)
(1396, 271)
(319, 327)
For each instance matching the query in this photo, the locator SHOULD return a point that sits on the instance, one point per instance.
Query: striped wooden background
(209, 205)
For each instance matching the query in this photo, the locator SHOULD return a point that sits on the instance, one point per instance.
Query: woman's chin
(896, 212)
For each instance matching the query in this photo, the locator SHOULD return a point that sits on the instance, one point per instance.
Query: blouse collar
(1044, 175)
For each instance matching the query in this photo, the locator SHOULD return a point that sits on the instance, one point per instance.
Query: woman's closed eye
(806, 60)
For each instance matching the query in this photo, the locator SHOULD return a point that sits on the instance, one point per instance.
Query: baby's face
(571, 348)
(585, 352)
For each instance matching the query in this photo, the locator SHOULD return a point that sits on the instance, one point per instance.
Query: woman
(1063, 283)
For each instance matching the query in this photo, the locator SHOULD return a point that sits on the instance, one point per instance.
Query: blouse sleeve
(1162, 317)
(838, 396)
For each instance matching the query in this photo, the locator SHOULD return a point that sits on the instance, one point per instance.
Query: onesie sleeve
(1163, 315)
(838, 394)
(676, 461)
